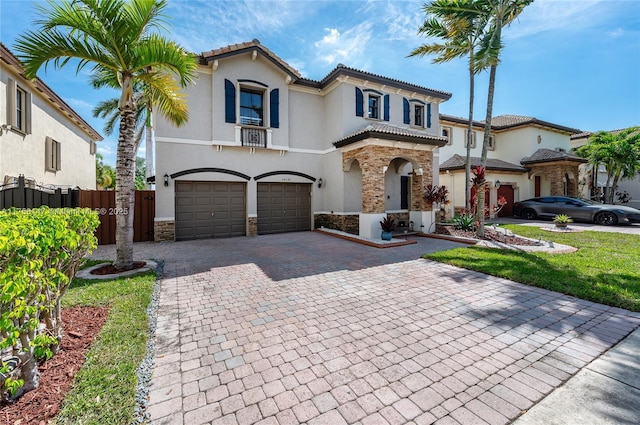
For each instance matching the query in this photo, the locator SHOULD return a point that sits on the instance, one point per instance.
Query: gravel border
(143, 371)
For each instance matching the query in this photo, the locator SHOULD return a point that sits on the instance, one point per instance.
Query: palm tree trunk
(125, 189)
(467, 164)
(485, 145)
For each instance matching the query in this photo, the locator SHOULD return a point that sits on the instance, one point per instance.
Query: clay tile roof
(550, 155)
(457, 162)
(244, 47)
(390, 132)
(586, 134)
(509, 121)
(341, 69)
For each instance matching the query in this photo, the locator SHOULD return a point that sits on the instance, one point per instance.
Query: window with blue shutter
(407, 111)
(274, 112)
(428, 115)
(359, 103)
(229, 102)
(386, 107)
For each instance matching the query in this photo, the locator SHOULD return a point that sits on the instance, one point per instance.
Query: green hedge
(40, 252)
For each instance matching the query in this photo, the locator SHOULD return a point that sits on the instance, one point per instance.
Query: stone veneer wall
(372, 160)
(252, 226)
(346, 223)
(398, 217)
(163, 231)
(555, 172)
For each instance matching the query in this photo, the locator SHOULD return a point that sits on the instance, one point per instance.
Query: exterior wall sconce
(320, 182)
(497, 184)
(4, 127)
(166, 180)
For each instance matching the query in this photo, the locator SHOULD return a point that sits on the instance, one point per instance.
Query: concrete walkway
(308, 328)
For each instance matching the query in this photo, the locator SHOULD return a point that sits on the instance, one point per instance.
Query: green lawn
(605, 269)
(105, 387)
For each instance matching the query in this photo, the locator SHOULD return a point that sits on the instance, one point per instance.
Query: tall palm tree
(460, 27)
(496, 14)
(117, 39)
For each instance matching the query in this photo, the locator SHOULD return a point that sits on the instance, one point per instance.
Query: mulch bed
(37, 407)
(489, 235)
(111, 269)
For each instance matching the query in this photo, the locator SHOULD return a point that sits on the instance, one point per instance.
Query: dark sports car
(576, 208)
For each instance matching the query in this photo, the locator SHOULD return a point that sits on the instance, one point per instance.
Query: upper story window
(473, 138)
(448, 134)
(251, 107)
(18, 107)
(374, 106)
(418, 115)
(21, 96)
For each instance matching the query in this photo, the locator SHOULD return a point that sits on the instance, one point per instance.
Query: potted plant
(387, 225)
(562, 220)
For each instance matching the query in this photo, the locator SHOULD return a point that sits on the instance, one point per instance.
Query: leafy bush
(40, 252)
(465, 222)
(436, 194)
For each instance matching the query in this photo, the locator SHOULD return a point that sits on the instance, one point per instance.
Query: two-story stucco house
(268, 151)
(41, 136)
(527, 157)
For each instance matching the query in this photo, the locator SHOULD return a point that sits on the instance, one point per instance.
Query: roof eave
(387, 136)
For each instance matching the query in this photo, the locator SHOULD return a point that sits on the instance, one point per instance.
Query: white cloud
(546, 15)
(618, 32)
(349, 47)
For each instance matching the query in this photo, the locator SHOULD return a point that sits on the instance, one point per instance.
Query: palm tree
(461, 32)
(455, 23)
(618, 152)
(116, 38)
(496, 14)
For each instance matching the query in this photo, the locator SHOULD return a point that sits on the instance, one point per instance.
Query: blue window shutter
(428, 115)
(386, 107)
(274, 112)
(407, 112)
(359, 103)
(229, 102)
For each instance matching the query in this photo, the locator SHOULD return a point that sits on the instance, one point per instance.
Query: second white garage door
(284, 207)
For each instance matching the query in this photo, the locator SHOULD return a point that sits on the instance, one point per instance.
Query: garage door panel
(210, 209)
(284, 207)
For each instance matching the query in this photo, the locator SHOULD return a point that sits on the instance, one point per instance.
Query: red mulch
(111, 269)
(37, 407)
(489, 235)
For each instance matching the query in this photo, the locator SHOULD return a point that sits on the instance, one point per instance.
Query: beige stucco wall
(25, 153)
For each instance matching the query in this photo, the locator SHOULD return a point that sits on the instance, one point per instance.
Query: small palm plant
(562, 220)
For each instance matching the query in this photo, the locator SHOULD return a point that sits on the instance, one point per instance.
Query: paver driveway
(308, 328)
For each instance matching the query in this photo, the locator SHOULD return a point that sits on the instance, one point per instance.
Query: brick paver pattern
(307, 328)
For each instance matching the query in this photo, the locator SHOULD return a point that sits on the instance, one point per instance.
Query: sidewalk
(607, 391)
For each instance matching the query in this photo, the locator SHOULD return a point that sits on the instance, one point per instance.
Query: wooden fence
(21, 194)
(104, 202)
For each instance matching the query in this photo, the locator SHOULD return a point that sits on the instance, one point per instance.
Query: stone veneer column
(163, 231)
(252, 226)
(373, 161)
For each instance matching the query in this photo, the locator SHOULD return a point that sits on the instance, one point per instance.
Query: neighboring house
(594, 188)
(41, 137)
(527, 157)
(267, 151)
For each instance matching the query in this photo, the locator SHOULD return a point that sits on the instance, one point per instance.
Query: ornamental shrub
(40, 252)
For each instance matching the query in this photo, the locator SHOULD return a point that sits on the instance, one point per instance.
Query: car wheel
(528, 214)
(606, 218)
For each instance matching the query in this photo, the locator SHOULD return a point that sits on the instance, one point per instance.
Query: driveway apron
(309, 328)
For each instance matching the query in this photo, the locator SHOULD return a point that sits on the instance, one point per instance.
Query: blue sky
(571, 62)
